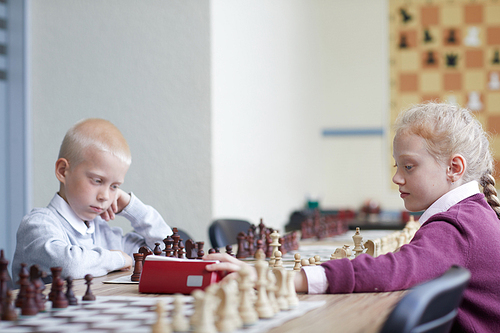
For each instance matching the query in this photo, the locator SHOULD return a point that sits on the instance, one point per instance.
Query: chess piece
(277, 259)
(59, 300)
(169, 252)
(229, 250)
(4, 277)
(472, 38)
(241, 239)
(246, 309)
(262, 304)
(297, 265)
(304, 262)
(175, 245)
(200, 252)
(23, 283)
(293, 300)
(271, 291)
(161, 325)
(312, 261)
(475, 103)
(452, 38)
(157, 250)
(494, 83)
(70, 295)
(275, 245)
(405, 16)
(203, 319)
(430, 60)
(357, 238)
(179, 320)
(136, 275)
(317, 260)
(427, 36)
(29, 306)
(496, 58)
(88, 294)
(282, 288)
(38, 284)
(191, 249)
(8, 311)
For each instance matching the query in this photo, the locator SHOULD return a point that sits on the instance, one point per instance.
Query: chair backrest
(431, 306)
(224, 232)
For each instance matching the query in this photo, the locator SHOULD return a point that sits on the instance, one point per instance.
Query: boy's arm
(42, 239)
(147, 222)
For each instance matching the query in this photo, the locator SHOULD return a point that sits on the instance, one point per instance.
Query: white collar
(449, 199)
(69, 215)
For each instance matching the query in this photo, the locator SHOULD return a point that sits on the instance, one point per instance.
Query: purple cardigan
(468, 235)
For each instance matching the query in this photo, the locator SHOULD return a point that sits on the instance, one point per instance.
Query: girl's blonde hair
(447, 130)
(95, 133)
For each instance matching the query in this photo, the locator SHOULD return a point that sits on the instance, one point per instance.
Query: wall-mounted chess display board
(447, 51)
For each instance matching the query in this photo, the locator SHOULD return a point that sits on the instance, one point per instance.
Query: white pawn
(262, 305)
(275, 244)
(317, 260)
(475, 103)
(293, 300)
(494, 83)
(472, 38)
(271, 291)
(278, 262)
(304, 262)
(312, 261)
(296, 257)
(161, 325)
(282, 288)
(246, 309)
(179, 321)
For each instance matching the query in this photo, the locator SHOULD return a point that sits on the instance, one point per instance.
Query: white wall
(145, 66)
(223, 102)
(282, 71)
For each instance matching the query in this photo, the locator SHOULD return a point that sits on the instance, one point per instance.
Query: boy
(71, 232)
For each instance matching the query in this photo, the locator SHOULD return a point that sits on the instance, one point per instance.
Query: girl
(442, 156)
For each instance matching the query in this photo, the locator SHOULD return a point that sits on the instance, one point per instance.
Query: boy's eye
(97, 180)
(115, 187)
(408, 167)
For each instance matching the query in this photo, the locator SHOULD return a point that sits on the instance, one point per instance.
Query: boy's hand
(121, 201)
(128, 261)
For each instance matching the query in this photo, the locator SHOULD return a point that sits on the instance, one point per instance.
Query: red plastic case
(166, 275)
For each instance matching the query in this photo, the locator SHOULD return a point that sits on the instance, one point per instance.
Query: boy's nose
(103, 195)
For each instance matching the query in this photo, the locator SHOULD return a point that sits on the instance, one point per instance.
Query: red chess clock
(166, 275)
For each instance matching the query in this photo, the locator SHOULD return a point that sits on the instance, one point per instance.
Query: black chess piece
(431, 60)
(70, 295)
(427, 36)
(88, 294)
(451, 60)
(452, 38)
(405, 17)
(403, 43)
(157, 250)
(496, 58)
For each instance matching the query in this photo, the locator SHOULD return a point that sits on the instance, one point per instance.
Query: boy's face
(91, 186)
(421, 179)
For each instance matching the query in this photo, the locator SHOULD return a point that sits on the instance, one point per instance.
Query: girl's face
(421, 179)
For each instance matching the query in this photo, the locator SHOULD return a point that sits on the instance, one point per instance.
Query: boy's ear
(456, 167)
(62, 165)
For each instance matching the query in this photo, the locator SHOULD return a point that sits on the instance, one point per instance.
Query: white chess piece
(472, 38)
(494, 83)
(475, 103)
(452, 100)
(179, 321)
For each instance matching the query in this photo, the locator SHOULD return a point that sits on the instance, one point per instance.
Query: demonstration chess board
(127, 315)
(447, 51)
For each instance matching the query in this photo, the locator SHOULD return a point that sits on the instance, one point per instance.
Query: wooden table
(362, 312)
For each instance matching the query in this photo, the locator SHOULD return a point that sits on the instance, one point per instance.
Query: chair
(224, 232)
(431, 306)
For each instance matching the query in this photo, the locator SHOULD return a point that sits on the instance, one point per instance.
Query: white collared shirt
(316, 277)
(69, 215)
(450, 199)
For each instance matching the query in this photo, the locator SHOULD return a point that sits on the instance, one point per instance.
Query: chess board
(127, 315)
(447, 51)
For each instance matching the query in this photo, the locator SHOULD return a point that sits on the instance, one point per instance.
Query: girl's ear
(456, 168)
(62, 165)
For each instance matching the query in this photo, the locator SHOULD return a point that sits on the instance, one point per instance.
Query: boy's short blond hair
(94, 133)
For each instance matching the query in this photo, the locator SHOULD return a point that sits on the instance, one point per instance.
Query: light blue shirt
(55, 236)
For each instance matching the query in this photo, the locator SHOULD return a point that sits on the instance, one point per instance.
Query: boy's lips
(97, 209)
(403, 194)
